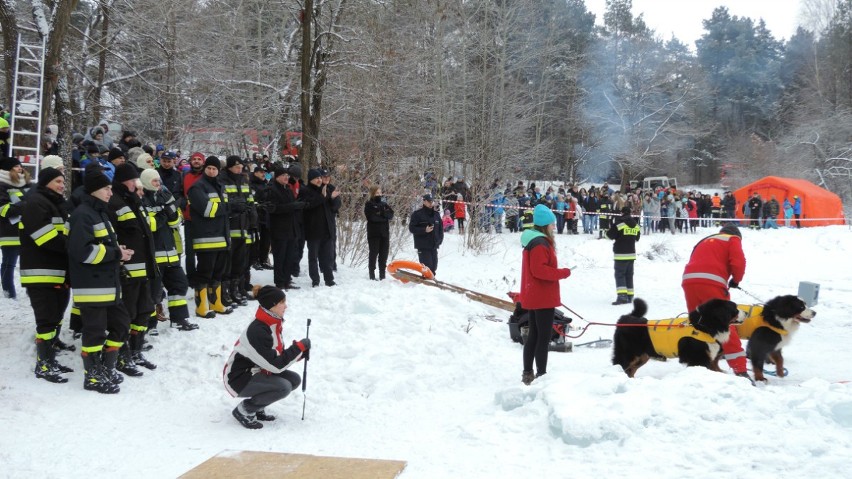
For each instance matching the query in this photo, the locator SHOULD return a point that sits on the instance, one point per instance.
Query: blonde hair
(16, 177)
(373, 190)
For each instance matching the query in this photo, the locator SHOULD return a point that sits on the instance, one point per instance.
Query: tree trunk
(306, 154)
(10, 47)
(58, 29)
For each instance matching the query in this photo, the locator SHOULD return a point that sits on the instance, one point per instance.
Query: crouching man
(257, 368)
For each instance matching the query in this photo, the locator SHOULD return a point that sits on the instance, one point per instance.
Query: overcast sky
(683, 17)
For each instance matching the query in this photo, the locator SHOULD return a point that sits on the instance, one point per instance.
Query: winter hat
(7, 164)
(133, 154)
(143, 159)
(542, 216)
(196, 155)
(731, 229)
(114, 154)
(232, 160)
(147, 176)
(52, 161)
(295, 170)
(428, 197)
(125, 172)
(128, 133)
(269, 296)
(213, 161)
(313, 174)
(278, 170)
(46, 175)
(95, 181)
(92, 148)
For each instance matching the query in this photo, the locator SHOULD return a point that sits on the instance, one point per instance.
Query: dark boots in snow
(622, 299)
(125, 363)
(248, 420)
(136, 341)
(95, 377)
(44, 368)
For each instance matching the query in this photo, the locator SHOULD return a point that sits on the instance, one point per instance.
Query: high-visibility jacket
(10, 213)
(44, 240)
(208, 205)
(132, 226)
(714, 260)
(93, 255)
(239, 192)
(164, 219)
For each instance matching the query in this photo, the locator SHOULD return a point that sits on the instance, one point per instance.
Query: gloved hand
(305, 346)
(299, 205)
(733, 284)
(566, 272)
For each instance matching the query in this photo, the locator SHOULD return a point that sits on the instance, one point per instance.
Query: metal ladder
(25, 125)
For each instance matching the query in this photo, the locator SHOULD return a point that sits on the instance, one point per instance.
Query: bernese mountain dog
(695, 341)
(773, 329)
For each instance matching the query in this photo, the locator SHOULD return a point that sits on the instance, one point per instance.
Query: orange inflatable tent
(820, 207)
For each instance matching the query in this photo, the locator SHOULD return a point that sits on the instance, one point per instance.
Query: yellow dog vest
(754, 320)
(666, 333)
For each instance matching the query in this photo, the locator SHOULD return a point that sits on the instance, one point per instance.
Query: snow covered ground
(409, 372)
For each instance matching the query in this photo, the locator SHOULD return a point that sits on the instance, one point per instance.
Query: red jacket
(189, 179)
(540, 273)
(714, 260)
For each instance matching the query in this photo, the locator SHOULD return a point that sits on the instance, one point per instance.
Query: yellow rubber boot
(215, 295)
(202, 305)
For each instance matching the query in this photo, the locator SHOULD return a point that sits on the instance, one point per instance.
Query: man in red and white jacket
(257, 368)
(717, 263)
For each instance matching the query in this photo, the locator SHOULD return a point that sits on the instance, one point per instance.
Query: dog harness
(666, 333)
(753, 321)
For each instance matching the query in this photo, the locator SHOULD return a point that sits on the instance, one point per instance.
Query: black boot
(237, 292)
(44, 363)
(248, 420)
(382, 272)
(57, 343)
(184, 325)
(621, 299)
(373, 275)
(225, 292)
(136, 341)
(125, 363)
(94, 378)
(109, 358)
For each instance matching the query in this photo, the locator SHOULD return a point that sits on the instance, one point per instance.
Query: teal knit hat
(542, 216)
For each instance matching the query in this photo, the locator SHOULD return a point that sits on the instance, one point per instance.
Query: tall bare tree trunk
(306, 154)
(10, 46)
(58, 29)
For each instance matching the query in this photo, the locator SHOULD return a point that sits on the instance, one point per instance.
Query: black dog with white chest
(782, 316)
(695, 341)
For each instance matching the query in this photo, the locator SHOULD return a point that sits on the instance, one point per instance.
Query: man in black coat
(171, 178)
(425, 225)
(319, 228)
(282, 208)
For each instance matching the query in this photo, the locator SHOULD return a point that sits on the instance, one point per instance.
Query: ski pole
(305, 373)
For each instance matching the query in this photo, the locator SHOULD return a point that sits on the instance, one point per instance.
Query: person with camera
(283, 210)
(258, 366)
(322, 202)
(378, 213)
(427, 228)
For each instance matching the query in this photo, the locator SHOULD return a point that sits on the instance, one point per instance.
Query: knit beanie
(295, 170)
(213, 161)
(125, 172)
(8, 163)
(52, 161)
(147, 176)
(114, 154)
(232, 160)
(269, 296)
(542, 216)
(731, 229)
(279, 170)
(46, 175)
(143, 159)
(95, 181)
(314, 174)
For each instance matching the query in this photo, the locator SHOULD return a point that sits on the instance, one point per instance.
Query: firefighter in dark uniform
(44, 268)
(625, 231)
(208, 205)
(237, 188)
(604, 210)
(165, 219)
(95, 257)
(132, 226)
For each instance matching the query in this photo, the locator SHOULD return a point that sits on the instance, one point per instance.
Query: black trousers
(210, 267)
(379, 246)
(283, 254)
(104, 323)
(136, 296)
(321, 258)
(261, 246)
(538, 341)
(429, 257)
(624, 277)
(188, 252)
(239, 259)
(49, 306)
(176, 284)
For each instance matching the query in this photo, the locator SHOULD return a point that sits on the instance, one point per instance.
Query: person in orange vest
(716, 208)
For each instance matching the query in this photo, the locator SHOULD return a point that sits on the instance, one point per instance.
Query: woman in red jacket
(540, 277)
